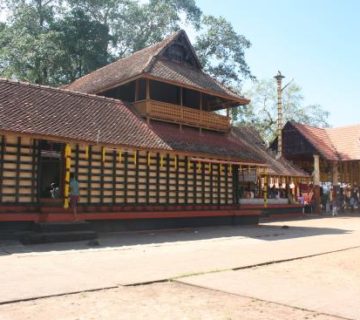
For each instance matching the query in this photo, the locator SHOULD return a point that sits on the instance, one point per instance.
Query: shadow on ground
(122, 240)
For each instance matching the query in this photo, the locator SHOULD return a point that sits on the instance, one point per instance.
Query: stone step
(65, 236)
(48, 227)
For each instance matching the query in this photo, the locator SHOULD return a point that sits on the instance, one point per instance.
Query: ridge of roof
(162, 48)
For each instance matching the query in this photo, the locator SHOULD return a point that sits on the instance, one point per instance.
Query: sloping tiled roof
(253, 141)
(174, 72)
(191, 140)
(346, 141)
(66, 115)
(147, 62)
(333, 144)
(120, 70)
(32, 109)
(318, 138)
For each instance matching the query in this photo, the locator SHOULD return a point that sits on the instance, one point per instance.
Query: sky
(316, 43)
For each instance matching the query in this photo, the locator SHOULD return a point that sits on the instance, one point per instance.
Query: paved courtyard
(296, 269)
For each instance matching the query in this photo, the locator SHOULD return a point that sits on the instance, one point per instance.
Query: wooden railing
(173, 113)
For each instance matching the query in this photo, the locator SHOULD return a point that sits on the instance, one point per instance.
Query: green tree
(56, 41)
(28, 49)
(222, 52)
(262, 111)
(84, 44)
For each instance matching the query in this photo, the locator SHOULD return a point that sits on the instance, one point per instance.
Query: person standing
(74, 194)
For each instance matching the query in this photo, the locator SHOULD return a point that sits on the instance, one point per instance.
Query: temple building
(330, 155)
(143, 137)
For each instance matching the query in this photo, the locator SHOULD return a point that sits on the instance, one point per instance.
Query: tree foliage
(262, 111)
(222, 51)
(57, 41)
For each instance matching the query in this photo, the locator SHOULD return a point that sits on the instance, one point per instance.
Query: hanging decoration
(67, 175)
(135, 157)
(161, 160)
(189, 165)
(120, 155)
(149, 159)
(103, 155)
(175, 162)
(86, 152)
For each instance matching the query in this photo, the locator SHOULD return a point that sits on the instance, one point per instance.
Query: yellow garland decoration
(135, 157)
(103, 156)
(86, 152)
(120, 156)
(189, 165)
(67, 175)
(161, 161)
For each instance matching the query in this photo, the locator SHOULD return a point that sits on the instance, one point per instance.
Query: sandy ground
(327, 283)
(157, 301)
(309, 270)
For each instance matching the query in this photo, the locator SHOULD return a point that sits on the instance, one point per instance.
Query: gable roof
(253, 141)
(149, 63)
(63, 115)
(334, 144)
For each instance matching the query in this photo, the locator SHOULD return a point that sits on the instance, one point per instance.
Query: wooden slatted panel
(112, 180)
(183, 115)
(18, 179)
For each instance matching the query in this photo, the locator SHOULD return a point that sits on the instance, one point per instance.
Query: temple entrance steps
(45, 232)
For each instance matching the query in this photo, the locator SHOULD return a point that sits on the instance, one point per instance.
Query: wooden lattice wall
(106, 177)
(18, 170)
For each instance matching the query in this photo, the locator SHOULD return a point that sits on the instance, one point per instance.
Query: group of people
(339, 199)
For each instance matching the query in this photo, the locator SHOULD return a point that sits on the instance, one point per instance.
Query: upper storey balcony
(175, 104)
(181, 115)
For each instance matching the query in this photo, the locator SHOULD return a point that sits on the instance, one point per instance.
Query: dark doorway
(50, 170)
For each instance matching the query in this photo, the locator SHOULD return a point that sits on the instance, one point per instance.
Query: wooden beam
(33, 172)
(195, 155)
(126, 164)
(148, 95)
(89, 175)
(114, 169)
(136, 98)
(158, 178)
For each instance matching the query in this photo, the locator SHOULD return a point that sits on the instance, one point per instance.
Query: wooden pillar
(335, 173)
(148, 96)
(265, 190)
(201, 107)
(316, 181)
(136, 98)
